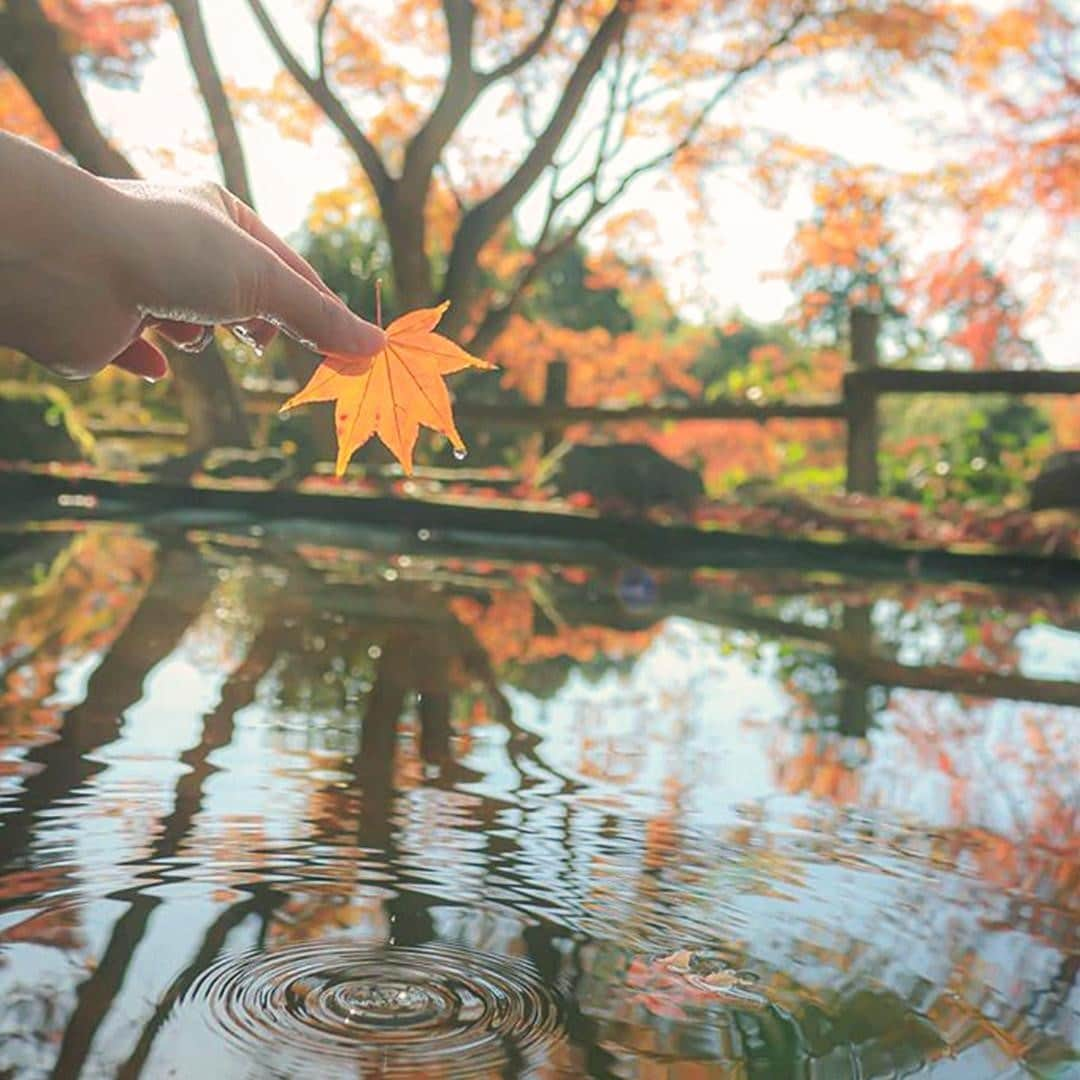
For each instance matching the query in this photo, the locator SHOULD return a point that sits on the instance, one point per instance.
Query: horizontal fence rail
(926, 381)
(863, 385)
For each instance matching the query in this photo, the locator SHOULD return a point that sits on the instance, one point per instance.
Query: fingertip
(344, 333)
(143, 359)
(256, 334)
(313, 317)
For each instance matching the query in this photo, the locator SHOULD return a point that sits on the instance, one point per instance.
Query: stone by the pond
(1058, 484)
(633, 475)
(38, 423)
(232, 463)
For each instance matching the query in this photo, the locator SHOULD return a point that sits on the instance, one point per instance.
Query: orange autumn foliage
(985, 321)
(20, 116)
(604, 368)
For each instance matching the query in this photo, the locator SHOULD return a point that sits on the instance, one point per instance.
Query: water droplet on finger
(246, 337)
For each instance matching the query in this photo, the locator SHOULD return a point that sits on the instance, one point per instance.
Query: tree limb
(480, 223)
(30, 46)
(459, 92)
(230, 149)
(530, 50)
(320, 39)
(497, 317)
(319, 91)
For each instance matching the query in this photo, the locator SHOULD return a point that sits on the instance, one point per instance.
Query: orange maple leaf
(393, 392)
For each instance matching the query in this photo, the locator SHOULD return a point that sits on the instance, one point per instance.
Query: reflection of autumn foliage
(81, 605)
(1019, 830)
(506, 628)
(822, 766)
(56, 928)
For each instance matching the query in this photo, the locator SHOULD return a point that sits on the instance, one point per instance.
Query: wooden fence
(864, 384)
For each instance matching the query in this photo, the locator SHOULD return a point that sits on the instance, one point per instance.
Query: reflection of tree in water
(918, 623)
(398, 672)
(169, 608)
(74, 606)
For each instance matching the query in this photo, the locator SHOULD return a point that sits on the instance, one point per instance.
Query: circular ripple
(395, 1010)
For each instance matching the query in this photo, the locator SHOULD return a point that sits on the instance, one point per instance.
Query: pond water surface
(302, 802)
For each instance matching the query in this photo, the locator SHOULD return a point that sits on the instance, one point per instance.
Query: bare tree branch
(319, 91)
(531, 50)
(320, 39)
(480, 223)
(459, 92)
(230, 149)
(496, 318)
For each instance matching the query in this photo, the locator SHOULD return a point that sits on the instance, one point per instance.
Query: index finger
(312, 315)
(255, 227)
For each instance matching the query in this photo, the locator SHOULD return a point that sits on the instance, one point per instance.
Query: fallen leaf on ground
(393, 392)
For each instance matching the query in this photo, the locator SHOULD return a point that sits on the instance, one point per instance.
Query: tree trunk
(30, 45)
(230, 149)
(404, 219)
(209, 400)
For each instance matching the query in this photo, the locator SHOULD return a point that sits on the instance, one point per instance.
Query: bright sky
(731, 261)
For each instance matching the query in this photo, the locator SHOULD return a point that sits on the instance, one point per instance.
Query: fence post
(860, 397)
(558, 380)
(855, 714)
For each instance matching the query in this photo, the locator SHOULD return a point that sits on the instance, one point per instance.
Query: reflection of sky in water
(679, 715)
(710, 723)
(1050, 652)
(655, 810)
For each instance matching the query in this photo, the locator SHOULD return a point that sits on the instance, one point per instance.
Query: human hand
(88, 265)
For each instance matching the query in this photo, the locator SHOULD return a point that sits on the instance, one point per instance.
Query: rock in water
(1058, 484)
(628, 475)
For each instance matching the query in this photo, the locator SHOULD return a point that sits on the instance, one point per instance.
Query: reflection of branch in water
(95, 996)
(262, 903)
(217, 732)
(172, 603)
(853, 660)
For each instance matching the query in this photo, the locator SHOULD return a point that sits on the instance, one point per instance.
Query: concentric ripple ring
(394, 1010)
